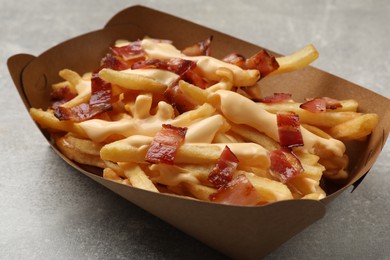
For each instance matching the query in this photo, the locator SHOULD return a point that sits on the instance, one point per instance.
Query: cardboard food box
(239, 232)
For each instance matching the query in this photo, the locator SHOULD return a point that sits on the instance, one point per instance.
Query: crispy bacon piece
(61, 96)
(180, 66)
(99, 102)
(194, 78)
(131, 51)
(222, 173)
(263, 62)
(289, 129)
(284, 164)
(201, 48)
(112, 62)
(150, 64)
(321, 104)
(76, 114)
(165, 144)
(239, 191)
(177, 98)
(236, 59)
(185, 70)
(276, 98)
(101, 93)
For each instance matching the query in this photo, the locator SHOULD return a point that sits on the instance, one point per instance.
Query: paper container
(239, 232)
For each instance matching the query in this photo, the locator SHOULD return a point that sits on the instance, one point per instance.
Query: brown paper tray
(239, 232)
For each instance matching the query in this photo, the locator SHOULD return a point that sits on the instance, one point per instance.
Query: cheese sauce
(200, 131)
(233, 106)
(207, 65)
(241, 110)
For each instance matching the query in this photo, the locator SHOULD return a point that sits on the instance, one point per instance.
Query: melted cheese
(241, 110)
(207, 65)
(200, 131)
(233, 106)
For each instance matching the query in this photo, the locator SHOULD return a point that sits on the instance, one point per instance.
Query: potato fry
(72, 77)
(335, 168)
(134, 149)
(75, 154)
(224, 138)
(314, 196)
(132, 81)
(324, 119)
(317, 131)
(172, 175)
(137, 177)
(199, 191)
(84, 145)
(356, 128)
(116, 168)
(47, 120)
(252, 135)
(297, 60)
(226, 81)
(198, 95)
(269, 190)
(109, 174)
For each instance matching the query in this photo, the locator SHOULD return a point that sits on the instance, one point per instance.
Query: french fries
(297, 60)
(217, 116)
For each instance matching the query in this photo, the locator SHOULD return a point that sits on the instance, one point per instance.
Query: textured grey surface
(49, 211)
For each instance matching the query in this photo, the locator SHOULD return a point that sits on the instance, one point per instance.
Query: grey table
(49, 211)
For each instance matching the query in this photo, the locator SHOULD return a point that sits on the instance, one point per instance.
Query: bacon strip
(132, 51)
(185, 70)
(262, 61)
(239, 191)
(289, 129)
(112, 62)
(276, 98)
(101, 93)
(177, 98)
(284, 164)
(150, 64)
(322, 104)
(222, 173)
(61, 96)
(99, 102)
(236, 59)
(165, 144)
(199, 49)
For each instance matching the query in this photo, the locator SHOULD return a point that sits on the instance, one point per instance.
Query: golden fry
(322, 119)
(137, 177)
(356, 128)
(47, 120)
(134, 149)
(297, 60)
(77, 155)
(132, 81)
(72, 77)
